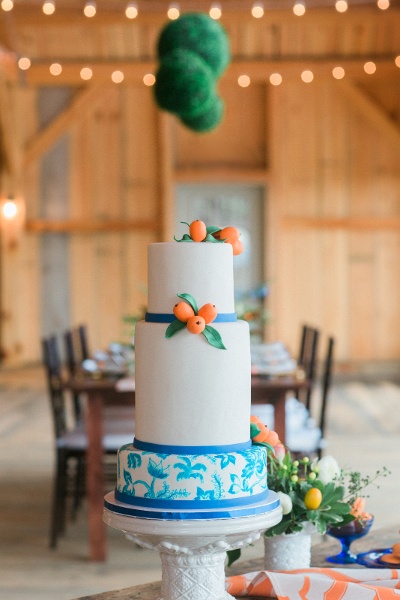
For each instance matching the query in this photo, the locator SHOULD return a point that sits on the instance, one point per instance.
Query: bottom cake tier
(208, 483)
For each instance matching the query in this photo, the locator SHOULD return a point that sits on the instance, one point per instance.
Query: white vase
(287, 551)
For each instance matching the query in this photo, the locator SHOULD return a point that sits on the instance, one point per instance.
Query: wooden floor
(363, 433)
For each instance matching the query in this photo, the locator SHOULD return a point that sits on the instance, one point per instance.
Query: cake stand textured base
(193, 552)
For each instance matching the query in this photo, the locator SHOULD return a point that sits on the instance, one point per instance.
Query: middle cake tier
(189, 393)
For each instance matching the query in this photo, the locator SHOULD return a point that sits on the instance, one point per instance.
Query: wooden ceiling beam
(373, 112)
(83, 101)
(257, 70)
(28, 16)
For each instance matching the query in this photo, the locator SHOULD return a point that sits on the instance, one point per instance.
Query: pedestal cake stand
(193, 550)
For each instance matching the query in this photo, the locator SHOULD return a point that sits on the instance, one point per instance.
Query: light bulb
(86, 73)
(173, 11)
(258, 10)
(244, 81)
(215, 11)
(275, 78)
(370, 67)
(307, 76)
(132, 10)
(24, 63)
(9, 209)
(338, 72)
(55, 69)
(383, 4)
(341, 6)
(117, 76)
(149, 79)
(7, 5)
(49, 7)
(90, 9)
(299, 8)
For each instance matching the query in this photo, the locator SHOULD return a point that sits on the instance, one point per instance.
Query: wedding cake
(192, 456)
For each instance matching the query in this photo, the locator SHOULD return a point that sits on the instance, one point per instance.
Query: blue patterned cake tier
(190, 481)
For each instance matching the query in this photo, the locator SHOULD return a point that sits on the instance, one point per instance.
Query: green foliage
(194, 52)
(174, 327)
(200, 34)
(213, 337)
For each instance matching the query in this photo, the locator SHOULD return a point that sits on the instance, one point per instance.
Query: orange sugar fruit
(313, 498)
(237, 247)
(208, 312)
(230, 234)
(197, 230)
(196, 324)
(183, 311)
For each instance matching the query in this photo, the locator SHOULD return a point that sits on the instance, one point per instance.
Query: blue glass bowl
(346, 535)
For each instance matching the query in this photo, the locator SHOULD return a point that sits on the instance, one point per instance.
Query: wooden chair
(71, 442)
(310, 440)
(307, 359)
(73, 358)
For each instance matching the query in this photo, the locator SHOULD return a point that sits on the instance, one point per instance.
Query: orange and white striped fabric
(318, 584)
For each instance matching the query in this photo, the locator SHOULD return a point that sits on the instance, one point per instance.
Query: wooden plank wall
(330, 162)
(323, 162)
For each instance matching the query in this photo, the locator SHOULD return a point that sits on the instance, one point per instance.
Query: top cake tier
(204, 270)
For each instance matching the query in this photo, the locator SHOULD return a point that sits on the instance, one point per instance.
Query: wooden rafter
(258, 70)
(372, 111)
(83, 101)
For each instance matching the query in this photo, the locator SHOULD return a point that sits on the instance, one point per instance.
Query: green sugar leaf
(212, 229)
(190, 301)
(211, 238)
(254, 430)
(174, 327)
(184, 223)
(186, 238)
(213, 337)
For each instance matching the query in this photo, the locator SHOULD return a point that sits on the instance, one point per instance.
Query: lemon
(313, 498)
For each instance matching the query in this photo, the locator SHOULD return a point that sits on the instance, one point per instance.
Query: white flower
(286, 503)
(328, 469)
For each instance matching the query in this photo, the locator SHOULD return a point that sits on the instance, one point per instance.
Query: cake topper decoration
(196, 320)
(198, 232)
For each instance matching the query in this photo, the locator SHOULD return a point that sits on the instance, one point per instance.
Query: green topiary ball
(207, 120)
(199, 33)
(184, 84)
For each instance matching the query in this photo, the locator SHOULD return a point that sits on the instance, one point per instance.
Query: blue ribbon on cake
(168, 318)
(170, 449)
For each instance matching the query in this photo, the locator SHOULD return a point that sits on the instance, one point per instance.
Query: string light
(275, 78)
(383, 4)
(370, 68)
(149, 79)
(215, 11)
(49, 7)
(258, 10)
(117, 76)
(55, 69)
(86, 73)
(173, 11)
(397, 61)
(307, 76)
(89, 9)
(132, 10)
(9, 210)
(338, 72)
(244, 81)
(299, 8)
(7, 5)
(341, 6)
(24, 63)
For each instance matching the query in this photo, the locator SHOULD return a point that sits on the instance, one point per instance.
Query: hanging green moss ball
(199, 33)
(207, 120)
(184, 84)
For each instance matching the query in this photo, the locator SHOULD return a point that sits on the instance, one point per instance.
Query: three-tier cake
(192, 456)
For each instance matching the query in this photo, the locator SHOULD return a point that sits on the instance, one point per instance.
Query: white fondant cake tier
(188, 392)
(204, 270)
(179, 481)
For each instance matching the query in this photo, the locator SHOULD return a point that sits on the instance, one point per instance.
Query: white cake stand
(193, 552)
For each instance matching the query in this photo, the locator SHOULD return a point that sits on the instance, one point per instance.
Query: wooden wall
(328, 159)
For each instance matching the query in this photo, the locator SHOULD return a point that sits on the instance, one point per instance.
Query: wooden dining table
(381, 538)
(105, 394)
